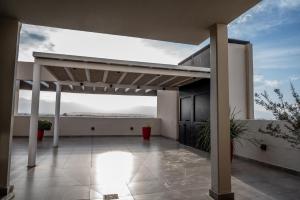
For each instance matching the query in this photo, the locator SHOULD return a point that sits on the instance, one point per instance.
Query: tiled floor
(89, 167)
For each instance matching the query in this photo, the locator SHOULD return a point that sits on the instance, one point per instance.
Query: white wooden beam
(188, 71)
(153, 79)
(167, 81)
(105, 75)
(28, 82)
(107, 85)
(148, 90)
(120, 80)
(88, 75)
(69, 73)
(42, 83)
(45, 84)
(104, 79)
(135, 81)
(181, 82)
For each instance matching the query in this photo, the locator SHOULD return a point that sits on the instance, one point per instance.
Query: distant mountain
(74, 109)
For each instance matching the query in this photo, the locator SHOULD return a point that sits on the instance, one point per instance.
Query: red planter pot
(146, 133)
(40, 135)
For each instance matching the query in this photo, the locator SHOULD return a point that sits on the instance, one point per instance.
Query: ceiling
(168, 20)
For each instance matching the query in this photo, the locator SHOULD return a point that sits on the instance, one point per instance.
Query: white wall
(81, 126)
(237, 80)
(167, 111)
(24, 71)
(279, 152)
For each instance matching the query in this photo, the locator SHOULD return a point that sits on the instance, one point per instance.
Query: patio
(89, 167)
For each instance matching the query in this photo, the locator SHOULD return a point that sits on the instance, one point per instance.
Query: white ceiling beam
(69, 73)
(88, 75)
(121, 79)
(153, 79)
(148, 90)
(28, 82)
(45, 84)
(167, 81)
(104, 79)
(105, 75)
(188, 71)
(181, 82)
(42, 83)
(135, 81)
(123, 86)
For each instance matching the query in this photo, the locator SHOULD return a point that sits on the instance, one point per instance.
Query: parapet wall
(82, 126)
(278, 152)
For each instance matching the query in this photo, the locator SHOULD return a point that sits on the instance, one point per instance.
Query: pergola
(95, 75)
(189, 22)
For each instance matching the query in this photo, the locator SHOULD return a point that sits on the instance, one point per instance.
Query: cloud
(277, 55)
(34, 38)
(177, 50)
(272, 83)
(290, 4)
(294, 78)
(266, 15)
(261, 83)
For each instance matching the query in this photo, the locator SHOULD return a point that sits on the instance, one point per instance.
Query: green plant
(237, 128)
(285, 111)
(44, 125)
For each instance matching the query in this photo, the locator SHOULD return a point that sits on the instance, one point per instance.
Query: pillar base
(226, 196)
(7, 193)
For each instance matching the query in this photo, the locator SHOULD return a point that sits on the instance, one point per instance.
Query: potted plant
(42, 126)
(236, 130)
(146, 132)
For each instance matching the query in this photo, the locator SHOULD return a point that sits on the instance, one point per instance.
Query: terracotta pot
(146, 133)
(40, 135)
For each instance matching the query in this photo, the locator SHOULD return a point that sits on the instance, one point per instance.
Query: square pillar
(249, 81)
(219, 114)
(57, 115)
(17, 94)
(34, 115)
(9, 40)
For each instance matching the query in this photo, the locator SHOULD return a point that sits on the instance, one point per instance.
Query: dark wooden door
(194, 109)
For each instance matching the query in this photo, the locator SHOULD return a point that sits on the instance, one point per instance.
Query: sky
(272, 26)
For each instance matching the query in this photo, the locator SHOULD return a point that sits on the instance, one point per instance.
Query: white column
(219, 114)
(34, 115)
(9, 35)
(57, 116)
(17, 92)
